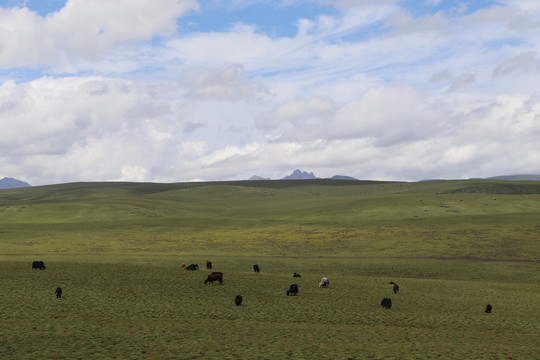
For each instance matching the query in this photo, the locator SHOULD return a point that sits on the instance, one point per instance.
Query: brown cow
(215, 276)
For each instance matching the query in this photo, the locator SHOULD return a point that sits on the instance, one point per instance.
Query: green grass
(389, 219)
(116, 249)
(135, 311)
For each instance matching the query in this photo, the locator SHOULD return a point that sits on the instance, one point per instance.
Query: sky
(210, 90)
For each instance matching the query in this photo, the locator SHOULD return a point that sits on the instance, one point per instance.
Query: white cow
(324, 282)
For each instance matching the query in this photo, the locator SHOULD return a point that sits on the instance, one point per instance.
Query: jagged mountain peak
(300, 175)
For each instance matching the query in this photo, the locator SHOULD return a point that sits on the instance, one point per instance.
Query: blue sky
(271, 17)
(183, 90)
(268, 19)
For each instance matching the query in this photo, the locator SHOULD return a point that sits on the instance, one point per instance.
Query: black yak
(192, 267)
(293, 290)
(208, 264)
(238, 300)
(396, 287)
(296, 275)
(215, 276)
(256, 268)
(38, 265)
(488, 308)
(324, 283)
(386, 303)
(58, 292)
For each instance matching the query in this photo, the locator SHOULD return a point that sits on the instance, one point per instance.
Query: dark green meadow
(116, 249)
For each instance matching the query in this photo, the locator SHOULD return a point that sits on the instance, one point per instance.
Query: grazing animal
(215, 276)
(324, 283)
(296, 275)
(396, 287)
(386, 303)
(208, 264)
(183, 265)
(488, 308)
(238, 300)
(58, 292)
(38, 265)
(256, 268)
(193, 267)
(293, 290)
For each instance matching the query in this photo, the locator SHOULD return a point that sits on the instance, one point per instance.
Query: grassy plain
(115, 248)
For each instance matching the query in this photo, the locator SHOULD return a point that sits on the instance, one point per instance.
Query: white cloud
(84, 29)
(133, 173)
(374, 92)
(310, 113)
(440, 76)
(462, 81)
(524, 63)
(226, 84)
(95, 123)
(387, 116)
(459, 155)
(476, 140)
(364, 3)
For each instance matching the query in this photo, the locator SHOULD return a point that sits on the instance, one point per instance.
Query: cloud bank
(375, 90)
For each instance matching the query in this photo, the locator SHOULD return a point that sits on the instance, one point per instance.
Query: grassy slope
(115, 249)
(337, 218)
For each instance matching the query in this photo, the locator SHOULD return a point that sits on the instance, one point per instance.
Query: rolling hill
(275, 217)
(115, 248)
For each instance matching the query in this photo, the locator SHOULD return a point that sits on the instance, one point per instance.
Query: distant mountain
(303, 175)
(256, 177)
(300, 175)
(342, 177)
(11, 183)
(518, 177)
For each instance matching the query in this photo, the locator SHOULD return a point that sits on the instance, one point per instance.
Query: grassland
(115, 248)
